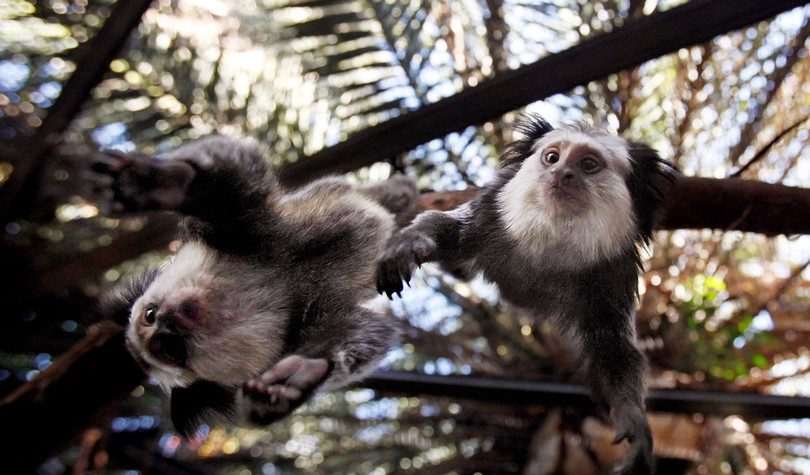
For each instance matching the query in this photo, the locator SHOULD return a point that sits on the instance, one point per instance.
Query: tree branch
(767, 147)
(45, 413)
(698, 203)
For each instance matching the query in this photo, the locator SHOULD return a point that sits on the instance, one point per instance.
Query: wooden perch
(698, 203)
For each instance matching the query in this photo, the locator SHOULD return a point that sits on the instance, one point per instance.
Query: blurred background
(720, 310)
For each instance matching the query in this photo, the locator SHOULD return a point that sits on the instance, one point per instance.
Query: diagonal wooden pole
(637, 41)
(29, 153)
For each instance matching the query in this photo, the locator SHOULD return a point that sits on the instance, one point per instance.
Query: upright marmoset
(558, 231)
(264, 301)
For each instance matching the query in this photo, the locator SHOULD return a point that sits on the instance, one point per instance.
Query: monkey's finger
(381, 284)
(388, 276)
(423, 247)
(620, 436)
(404, 269)
(282, 390)
(393, 279)
(637, 461)
(311, 372)
(281, 370)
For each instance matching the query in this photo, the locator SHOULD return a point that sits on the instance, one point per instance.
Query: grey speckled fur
(592, 304)
(273, 273)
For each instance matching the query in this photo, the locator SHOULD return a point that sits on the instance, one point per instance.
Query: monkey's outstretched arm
(223, 182)
(434, 236)
(615, 373)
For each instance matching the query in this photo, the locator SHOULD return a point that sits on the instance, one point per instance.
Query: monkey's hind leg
(225, 184)
(364, 339)
(281, 389)
(615, 371)
(396, 194)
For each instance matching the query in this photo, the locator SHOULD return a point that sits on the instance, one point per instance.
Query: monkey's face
(570, 196)
(574, 171)
(206, 316)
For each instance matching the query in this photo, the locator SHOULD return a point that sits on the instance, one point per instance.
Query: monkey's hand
(631, 425)
(279, 390)
(405, 251)
(141, 182)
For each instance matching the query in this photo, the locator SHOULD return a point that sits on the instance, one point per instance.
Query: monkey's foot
(632, 427)
(281, 389)
(404, 252)
(396, 194)
(141, 182)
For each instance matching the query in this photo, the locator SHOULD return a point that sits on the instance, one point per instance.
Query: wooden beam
(156, 234)
(637, 41)
(697, 203)
(29, 153)
(740, 205)
(706, 203)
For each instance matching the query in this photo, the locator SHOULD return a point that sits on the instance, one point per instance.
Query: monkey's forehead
(615, 150)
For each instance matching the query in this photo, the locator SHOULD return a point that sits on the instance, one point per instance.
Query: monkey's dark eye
(589, 165)
(551, 157)
(150, 315)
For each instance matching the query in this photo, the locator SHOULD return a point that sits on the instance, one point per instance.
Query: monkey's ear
(191, 406)
(117, 303)
(532, 127)
(650, 183)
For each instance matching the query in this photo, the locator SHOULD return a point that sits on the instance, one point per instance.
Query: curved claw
(406, 251)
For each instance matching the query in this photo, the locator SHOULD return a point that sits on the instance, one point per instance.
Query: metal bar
(639, 40)
(752, 406)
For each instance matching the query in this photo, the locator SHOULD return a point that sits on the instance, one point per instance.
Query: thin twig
(764, 150)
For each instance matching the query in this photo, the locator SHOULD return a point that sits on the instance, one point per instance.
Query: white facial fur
(599, 224)
(240, 323)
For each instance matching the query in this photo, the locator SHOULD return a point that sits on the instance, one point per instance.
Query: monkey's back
(336, 234)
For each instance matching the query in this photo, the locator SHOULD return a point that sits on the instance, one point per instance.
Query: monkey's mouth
(562, 193)
(169, 348)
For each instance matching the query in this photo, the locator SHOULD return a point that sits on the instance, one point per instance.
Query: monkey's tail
(397, 194)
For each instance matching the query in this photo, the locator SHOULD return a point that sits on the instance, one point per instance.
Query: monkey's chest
(528, 284)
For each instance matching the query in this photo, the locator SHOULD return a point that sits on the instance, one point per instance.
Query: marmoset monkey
(559, 231)
(265, 300)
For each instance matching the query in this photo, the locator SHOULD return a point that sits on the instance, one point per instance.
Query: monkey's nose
(182, 317)
(567, 177)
